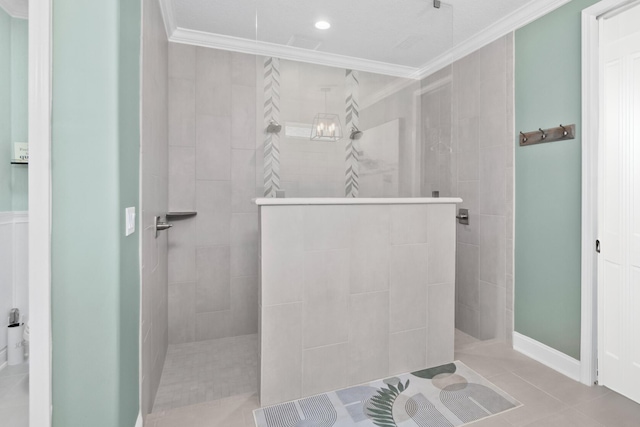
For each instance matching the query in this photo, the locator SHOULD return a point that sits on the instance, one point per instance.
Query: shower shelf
(180, 215)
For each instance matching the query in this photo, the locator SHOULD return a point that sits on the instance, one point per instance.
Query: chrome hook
(544, 135)
(564, 129)
(524, 137)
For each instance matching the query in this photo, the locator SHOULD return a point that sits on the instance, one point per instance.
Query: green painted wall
(95, 269)
(19, 109)
(5, 112)
(548, 180)
(13, 110)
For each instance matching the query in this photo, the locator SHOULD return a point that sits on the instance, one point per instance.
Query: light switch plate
(130, 221)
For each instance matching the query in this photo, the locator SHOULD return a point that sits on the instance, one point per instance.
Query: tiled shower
(451, 134)
(213, 276)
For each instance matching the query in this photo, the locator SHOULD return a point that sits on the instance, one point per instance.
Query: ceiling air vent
(304, 42)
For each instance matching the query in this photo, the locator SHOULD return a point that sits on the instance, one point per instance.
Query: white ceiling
(376, 30)
(400, 36)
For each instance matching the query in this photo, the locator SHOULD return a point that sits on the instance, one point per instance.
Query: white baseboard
(3, 358)
(139, 420)
(548, 356)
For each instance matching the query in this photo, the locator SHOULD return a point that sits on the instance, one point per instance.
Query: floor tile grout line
(567, 406)
(535, 386)
(591, 399)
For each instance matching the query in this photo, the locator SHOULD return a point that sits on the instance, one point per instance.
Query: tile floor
(14, 396)
(550, 399)
(208, 370)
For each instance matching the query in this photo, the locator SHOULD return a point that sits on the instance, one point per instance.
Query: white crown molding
(236, 44)
(16, 8)
(518, 19)
(168, 16)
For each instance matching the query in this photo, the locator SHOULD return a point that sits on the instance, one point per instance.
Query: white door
(619, 204)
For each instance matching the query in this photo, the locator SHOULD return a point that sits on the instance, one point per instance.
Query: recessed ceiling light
(323, 25)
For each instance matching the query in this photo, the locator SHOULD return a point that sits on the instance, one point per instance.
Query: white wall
(14, 281)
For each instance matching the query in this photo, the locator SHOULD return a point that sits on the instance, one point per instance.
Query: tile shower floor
(550, 399)
(208, 370)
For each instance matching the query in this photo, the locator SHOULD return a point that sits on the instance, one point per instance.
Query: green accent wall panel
(5, 112)
(548, 180)
(13, 110)
(19, 109)
(95, 174)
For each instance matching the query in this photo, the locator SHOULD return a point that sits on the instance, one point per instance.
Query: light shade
(323, 25)
(326, 127)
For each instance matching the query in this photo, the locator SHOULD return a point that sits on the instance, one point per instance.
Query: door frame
(40, 59)
(590, 141)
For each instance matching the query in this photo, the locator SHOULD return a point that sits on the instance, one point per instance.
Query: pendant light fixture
(326, 127)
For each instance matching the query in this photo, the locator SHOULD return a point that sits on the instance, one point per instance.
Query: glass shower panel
(435, 159)
(365, 69)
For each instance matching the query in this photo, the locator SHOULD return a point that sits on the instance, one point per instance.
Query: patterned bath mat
(444, 396)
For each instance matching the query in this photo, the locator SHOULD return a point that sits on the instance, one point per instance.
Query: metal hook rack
(539, 136)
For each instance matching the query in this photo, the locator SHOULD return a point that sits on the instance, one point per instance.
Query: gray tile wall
(154, 185)
(353, 293)
(483, 144)
(213, 257)
(465, 148)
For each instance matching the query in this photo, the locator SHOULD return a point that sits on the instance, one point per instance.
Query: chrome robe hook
(544, 135)
(564, 131)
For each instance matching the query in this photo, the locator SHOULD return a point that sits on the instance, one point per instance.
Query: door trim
(590, 138)
(40, 24)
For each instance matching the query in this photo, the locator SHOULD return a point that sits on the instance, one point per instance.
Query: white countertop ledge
(292, 201)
